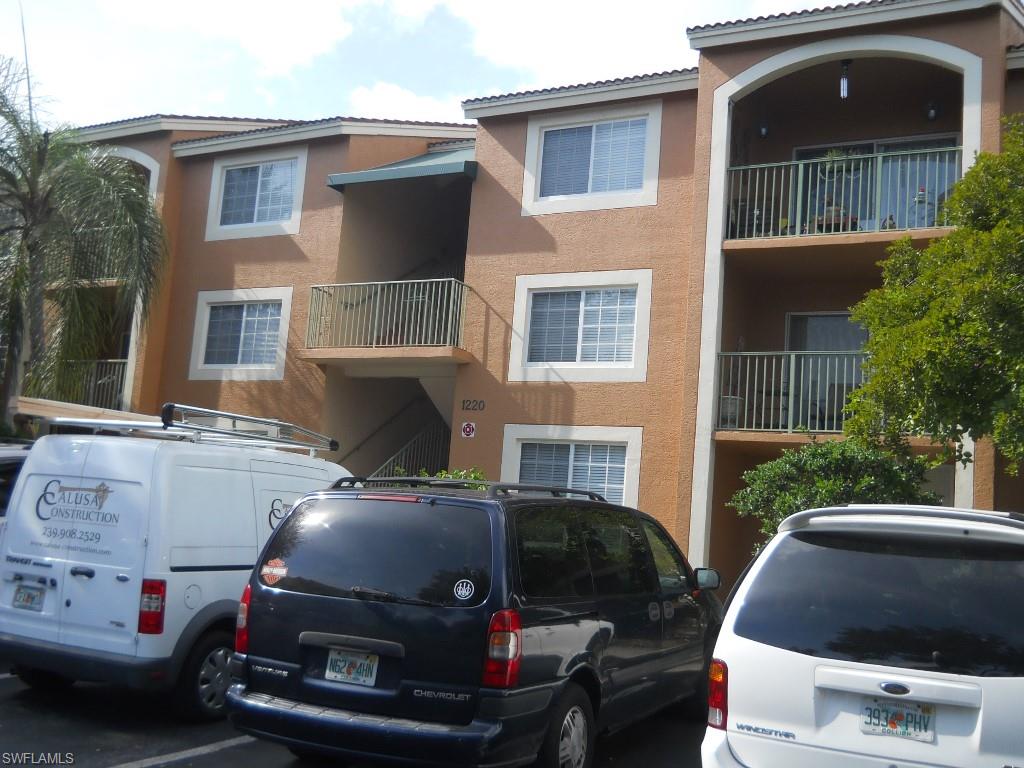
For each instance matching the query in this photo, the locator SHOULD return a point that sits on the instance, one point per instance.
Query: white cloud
(387, 100)
(278, 36)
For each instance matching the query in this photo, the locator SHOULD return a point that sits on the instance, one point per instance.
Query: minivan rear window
(383, 550)
(929, 604)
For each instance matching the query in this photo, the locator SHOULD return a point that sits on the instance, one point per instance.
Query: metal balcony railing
(422, 313)
(100, 383)
(427, 451)
(838, 194)
(786, 391)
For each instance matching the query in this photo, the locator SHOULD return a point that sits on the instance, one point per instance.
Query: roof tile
(791, 15)
(581, 86)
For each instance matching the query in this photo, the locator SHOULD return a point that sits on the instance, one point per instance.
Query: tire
(204, 679)
(569, 742)
(41, 680)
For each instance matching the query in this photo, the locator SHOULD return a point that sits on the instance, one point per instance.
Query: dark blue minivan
(446, 623)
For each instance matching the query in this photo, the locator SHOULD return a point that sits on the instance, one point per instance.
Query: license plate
(345, 666)
(891, 717)
(29, 598)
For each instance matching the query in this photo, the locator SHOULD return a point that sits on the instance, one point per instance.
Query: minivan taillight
(504, 650)
(242, 622)
(718, 694)
(151, 606)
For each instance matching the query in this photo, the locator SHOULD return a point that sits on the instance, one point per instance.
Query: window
(414, 551)
(617, 552)
(669, 563)
(256, 195)
(941, 605)
(591, 160)
(552, 558)
(605, 460)
(590, 467)
(241, 334)
(588, 326)
(582, 326)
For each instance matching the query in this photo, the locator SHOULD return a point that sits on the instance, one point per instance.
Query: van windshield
(930, 604)
(393, 551)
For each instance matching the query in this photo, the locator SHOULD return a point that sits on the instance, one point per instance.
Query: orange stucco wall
(503, 244)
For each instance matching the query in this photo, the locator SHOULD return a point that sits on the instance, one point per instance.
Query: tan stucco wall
(503, 244)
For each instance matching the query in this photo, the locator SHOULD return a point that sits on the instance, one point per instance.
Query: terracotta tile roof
(322, 121)
(162, 116)
(792, 15)
(582, 86)
(1015, 47)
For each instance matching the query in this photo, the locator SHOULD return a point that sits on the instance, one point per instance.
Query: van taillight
(151, 606)
(718, 694)
(504, 650)
(242, 622)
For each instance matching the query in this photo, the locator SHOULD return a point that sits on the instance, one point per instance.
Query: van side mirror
(708, 578)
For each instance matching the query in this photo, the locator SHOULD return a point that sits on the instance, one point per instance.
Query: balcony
(99, 383)
(786, 391)
(841, 194)
(410, 321)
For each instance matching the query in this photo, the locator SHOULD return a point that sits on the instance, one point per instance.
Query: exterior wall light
(844, 79)
(933, 111)
(763, 131)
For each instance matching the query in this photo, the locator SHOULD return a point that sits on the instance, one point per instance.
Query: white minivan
(123, 558)
(881, 636)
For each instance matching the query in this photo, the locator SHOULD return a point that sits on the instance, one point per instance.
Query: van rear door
(105, 517)
(35, 547)
(378, 605)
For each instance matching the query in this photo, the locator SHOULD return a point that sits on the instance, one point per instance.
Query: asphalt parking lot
(103, 727)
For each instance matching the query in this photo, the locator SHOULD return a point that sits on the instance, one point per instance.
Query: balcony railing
(856, 193)
(99, 383)
(425, 313)
(786, 391)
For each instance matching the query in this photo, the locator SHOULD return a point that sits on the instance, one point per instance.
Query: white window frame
(534, 205)
(221, 165)
(517, 434)
(526, 285)
(200, 371)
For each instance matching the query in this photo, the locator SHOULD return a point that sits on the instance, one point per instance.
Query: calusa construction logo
(72, 504)
(278, 511)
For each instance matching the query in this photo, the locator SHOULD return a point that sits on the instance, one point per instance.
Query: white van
(124, 557)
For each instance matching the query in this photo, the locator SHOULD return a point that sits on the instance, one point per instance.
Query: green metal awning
(452, 162)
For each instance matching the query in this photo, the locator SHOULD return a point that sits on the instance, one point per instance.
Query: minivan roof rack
(179, 422)
(494, 488)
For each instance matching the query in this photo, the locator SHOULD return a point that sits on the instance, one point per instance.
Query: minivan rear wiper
(371, 593)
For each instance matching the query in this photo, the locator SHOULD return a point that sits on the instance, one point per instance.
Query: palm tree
(73, 219)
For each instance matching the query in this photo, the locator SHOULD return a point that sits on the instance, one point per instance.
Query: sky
(94, 61)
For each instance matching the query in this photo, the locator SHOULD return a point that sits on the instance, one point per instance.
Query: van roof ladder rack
(494, 489)
(188, 422)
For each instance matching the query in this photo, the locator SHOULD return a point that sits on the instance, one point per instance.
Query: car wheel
(569, 742)
(204, 680)
(41, 680)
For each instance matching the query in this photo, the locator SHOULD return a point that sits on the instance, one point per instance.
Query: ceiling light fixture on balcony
(933, 111)
(844, 79)
(762, 131)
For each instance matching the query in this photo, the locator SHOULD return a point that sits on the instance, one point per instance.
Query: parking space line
(185, 754)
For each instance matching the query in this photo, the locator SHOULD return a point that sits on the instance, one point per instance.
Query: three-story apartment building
(639, 286)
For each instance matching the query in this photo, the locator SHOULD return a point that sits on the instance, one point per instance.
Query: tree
(72, 218)
(831, 472)
(946, 329)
